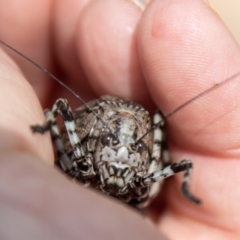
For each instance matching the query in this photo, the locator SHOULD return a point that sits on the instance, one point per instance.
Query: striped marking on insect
(121, 151)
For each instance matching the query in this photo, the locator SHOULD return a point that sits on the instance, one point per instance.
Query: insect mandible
(113, 145)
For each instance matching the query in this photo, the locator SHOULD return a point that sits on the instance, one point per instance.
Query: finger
(105, 44)
(179, 66)
(55, 208)
(65, 16)
(29, 32)
(20, 109)
(186, 49)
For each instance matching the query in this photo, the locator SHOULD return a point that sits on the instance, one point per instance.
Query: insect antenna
(170, 114)
(57, 80)
(201, 94)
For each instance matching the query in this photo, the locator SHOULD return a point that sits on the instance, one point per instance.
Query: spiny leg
(84, 164)
(51, 125)
(61, 106)
(160, 159)
(184, 165)
(81, 162)
(155, 162)
(165, 152)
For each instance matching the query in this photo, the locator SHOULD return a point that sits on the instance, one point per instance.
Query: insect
(114, 148)
(113, 145)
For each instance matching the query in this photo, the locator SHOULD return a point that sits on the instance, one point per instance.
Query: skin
(163, 56)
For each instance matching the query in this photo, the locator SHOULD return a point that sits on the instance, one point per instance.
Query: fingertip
(186, 49)
(184, 45)
(107, 48)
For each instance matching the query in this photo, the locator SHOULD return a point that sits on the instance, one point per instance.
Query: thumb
(185, 49)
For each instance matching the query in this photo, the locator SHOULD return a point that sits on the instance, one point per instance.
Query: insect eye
(107, 139)
(140, 146)
(133, 146)
(82, 166)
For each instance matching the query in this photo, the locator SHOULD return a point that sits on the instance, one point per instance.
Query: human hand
(182, 48)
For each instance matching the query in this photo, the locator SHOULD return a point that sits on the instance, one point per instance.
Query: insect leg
(82, 163)
(184, 165)
(51, 126)
(61, 106)
(155, 162)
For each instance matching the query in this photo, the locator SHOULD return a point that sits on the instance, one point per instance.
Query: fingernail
(207, 2)
(141, 3)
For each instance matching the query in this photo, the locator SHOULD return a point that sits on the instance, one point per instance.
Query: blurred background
(229, 11)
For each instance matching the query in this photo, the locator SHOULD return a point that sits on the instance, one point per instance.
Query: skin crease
(181, 48)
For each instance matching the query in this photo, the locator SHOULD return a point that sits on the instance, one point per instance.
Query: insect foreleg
(80, 164)
(157, 152)
(51, 126)
(61, 106)
(184, 165)
(157, 143)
